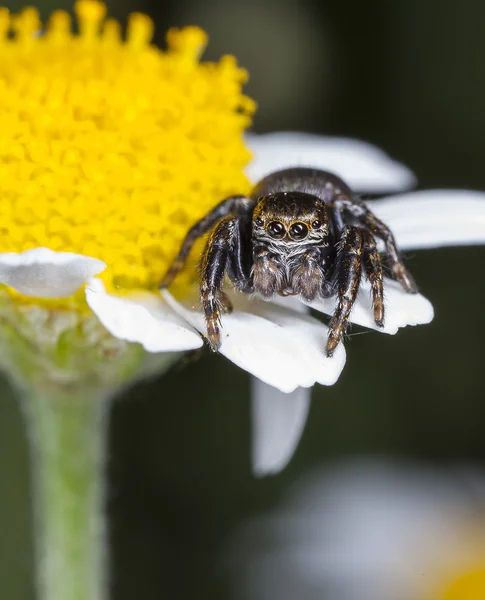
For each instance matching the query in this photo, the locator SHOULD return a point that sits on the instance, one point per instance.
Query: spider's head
(289, 218)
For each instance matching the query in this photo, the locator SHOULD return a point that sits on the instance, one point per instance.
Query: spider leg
(381, 230)
(348, 274)
(373, 268)
(360, 215)
(213, 266)
(239, 264)
(230, 206)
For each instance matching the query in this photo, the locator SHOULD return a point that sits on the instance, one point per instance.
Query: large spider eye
(259, 221)
(276, 229)
(298, 231)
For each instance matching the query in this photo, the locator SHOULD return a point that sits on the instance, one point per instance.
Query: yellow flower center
(110, 147)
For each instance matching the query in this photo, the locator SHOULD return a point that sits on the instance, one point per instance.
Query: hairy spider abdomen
(317, 183)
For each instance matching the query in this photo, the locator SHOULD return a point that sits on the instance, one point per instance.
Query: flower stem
(67, 432)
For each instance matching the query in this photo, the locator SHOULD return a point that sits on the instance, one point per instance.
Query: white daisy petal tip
(333, 366)
(364, 167)
(278, 421)
(406, 309)
(45, 273)
(283, 348)
(402, 309)
(277, 345)
(145, 319)
(434, 218)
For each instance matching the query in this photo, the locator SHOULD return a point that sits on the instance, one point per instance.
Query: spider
(301, 231)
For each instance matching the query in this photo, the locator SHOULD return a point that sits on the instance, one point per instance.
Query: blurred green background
(407, 75)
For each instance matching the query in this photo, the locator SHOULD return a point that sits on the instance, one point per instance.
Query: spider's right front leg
(349, 272)
(213, 267)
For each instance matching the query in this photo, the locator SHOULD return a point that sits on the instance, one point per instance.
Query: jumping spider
(301, 232)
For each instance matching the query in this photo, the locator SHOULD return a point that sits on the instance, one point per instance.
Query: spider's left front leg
(230, 207)
(349, 273)
(213, 267)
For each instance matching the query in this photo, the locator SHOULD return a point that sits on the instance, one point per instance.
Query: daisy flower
(370, 530)
(110, 150)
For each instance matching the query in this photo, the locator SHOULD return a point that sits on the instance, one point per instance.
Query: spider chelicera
(300, 232)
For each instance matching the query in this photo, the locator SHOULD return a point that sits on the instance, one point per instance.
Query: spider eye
(298, 231)
(316, 224)
(276, 229)
(259, 221)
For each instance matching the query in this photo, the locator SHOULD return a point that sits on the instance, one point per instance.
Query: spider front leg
(373, 268)
(349, 272)
(230, 206)
(213, 267)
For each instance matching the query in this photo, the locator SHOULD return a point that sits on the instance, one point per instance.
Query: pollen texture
(111, 147)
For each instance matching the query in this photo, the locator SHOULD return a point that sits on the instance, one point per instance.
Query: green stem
(67, 437)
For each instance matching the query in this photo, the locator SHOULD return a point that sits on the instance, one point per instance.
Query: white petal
(44, 273)
(362, 166)
(145, 319)
(278, 421)
(401, 308)
(434, 218)
(279, 346)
